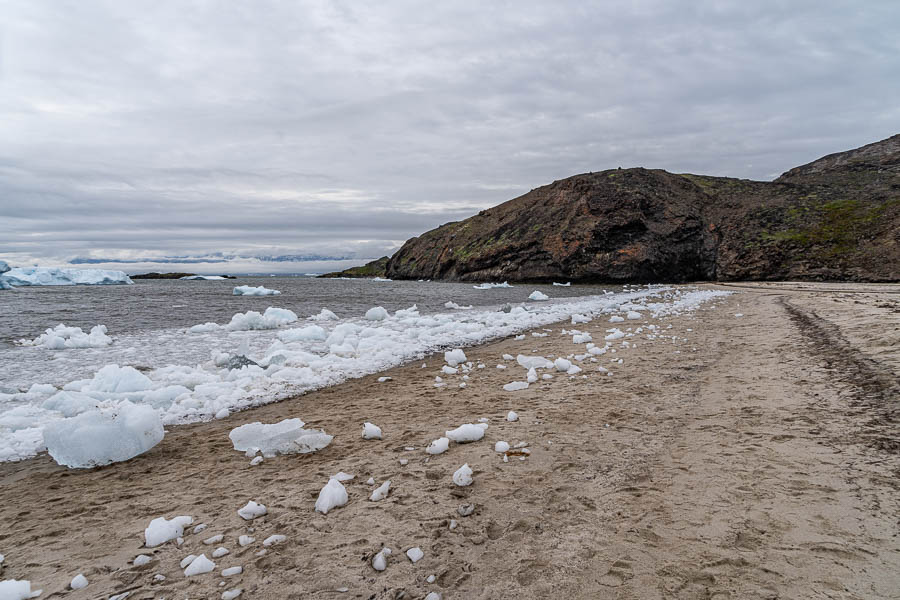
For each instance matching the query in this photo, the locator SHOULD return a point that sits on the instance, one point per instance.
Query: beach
(749, 452)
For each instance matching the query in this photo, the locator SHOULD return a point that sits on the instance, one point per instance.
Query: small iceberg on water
(27, 276)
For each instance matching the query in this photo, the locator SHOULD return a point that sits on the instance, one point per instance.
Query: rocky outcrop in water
(376, 268)
(836, 218)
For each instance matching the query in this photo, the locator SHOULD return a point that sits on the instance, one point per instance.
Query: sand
(757, 459)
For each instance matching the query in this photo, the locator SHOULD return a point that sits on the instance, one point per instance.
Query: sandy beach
(755, 456)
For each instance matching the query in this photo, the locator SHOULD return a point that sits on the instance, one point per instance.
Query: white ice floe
(26, 276)
(453, 305)
(515, 386)
(469, 432)
(230, 571)
(252, 510)
(78, 582)
(285, 437)
(381, 492)
(249, 290)
(376, 313)
(537, 295)
(203, 278)
(371, 431)
(567, 284)
(463, 476)
(438, 446)
(454, 357)
(616, 319)
(512, 416)
(384, 379)
(272, 318)
(62, 337)
(501, 447)
(161, 530)
(415, 554)
(111, 433)
(379, 561)
(199, 566)
(487, 286)
(311, 333)
(333, 495)
(614, 334)
(633, 315)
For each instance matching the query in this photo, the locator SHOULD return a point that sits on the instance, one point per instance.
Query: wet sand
(758, 458)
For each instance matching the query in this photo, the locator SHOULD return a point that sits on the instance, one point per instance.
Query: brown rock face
(837, 218)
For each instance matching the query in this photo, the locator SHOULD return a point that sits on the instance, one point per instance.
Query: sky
(267, 136)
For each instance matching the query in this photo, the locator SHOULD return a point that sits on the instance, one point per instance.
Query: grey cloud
(159, 128)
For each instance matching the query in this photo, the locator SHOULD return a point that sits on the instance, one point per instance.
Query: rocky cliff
(837, 218)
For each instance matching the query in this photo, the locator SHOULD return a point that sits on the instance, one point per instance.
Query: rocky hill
(376, 268)
(837, 218)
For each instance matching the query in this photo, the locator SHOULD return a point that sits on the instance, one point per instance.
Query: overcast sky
(140, 130)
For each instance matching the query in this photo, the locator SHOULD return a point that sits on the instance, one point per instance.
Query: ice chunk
(573, 370)
(463, 476)
(78, 582)
(332, 495)
(532, 375)
(633, 315)
(284, 437)
(376, 313)
(616, 319)
(141, 560)
(536, 295)
(204, 328)
(438, 446)
(249, 290)
(274, 539)
(232, 571)
(512, 416)
(433, 596)
(272, 318)
(501, 447)
(449, 370)
(379, 561)
(515, 386)
(562, 365)
(577, 318)
(381, 492)
(214, 539)
(252, 510)
(161, 530)
(324, 315)
(455, 306)
(70, 403)
(454, 357)
(25, 276)
(245, 540)
(220, 552)
(312, 333)
(415, 554)
(12, 589)
(533, 362)
(111, 433)
(371, 431)
(62, 337)
(469, 432)
(581, 338)
(567, 284)
(614, 334)
(232, 594)
(342, 477)
(487, 286)
(199, 565)
(116, 379)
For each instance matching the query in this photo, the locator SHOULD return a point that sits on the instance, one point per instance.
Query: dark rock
(238, 362)
(837, 218)
(376, 268)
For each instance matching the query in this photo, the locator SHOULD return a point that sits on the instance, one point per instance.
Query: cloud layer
(136, 130)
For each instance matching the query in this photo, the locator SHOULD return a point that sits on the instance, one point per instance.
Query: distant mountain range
(836, 218)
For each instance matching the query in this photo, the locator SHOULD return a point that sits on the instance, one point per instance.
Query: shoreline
(719, 471)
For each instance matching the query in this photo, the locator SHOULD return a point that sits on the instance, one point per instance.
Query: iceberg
(249, 290)
(62, 337)
(536, 295)
(203, 278)
(487, 286)
(25, 276)
(111, 433)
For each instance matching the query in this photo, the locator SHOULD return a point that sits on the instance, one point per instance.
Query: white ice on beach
(379, 561)
(512, 416)
(184, 389)
(252, 510)
(78, 582)
(285, 437)
(232, 594)
(26, 276)
(515, 386)
(245, 540)
(534, 362)
(381, 492)
(415, 554)
(111, 433)
(633, 315)
(232, 571)
(220, 552)
(463, 476)
(448, 370)
(433, 596)
(342, 477)
(333, 495)
(62, 337)
(376, 313)
(438, 446)
(141, 560)
(371, 431)
(12, 589)
(539, 296)
(214, 539)
(249, 290)
(454, 357)
(501, 447)
(469, 432)
(562, 365)
(274, 539)
(616, 319)
(161, 530)
(199, 566)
